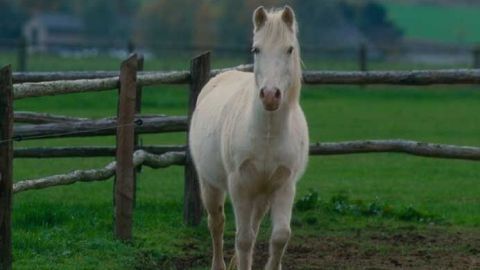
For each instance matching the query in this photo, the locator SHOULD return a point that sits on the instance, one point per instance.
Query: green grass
(70, 227)
(49, 62)
(436, 22)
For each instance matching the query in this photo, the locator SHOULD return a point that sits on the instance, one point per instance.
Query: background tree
(32, 6)
(11, 20)
(160, 24)
(109, 21)
(205, 34)
(371, 18)
(314, 16)
(167, 23)
(235, 21)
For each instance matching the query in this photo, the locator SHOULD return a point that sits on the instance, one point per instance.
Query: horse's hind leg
(213, 200)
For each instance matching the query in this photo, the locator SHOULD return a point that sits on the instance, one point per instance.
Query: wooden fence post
(362, 57)
(192, 207)
(6, 166)
(138, 110)
(124, 177)
(476, 57)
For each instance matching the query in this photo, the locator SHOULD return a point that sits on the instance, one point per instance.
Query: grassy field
(371, 210)
(436, 22)
(45, 62)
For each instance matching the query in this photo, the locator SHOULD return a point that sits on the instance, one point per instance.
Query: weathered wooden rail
(423, 149)
(43, 118)
(25, 84)
(130, 124)
(140, 157)
(144, 77)
(85, 82)
(89, 151)
(100, 127)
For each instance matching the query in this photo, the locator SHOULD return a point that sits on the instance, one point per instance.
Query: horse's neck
(268, 124)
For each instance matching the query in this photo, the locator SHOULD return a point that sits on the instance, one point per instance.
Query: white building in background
(54, 32)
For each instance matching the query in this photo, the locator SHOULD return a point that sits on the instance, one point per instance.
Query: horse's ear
(259, 18)
(288, 16)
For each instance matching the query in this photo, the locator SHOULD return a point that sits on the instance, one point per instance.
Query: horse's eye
(290, 50)
(255, 50)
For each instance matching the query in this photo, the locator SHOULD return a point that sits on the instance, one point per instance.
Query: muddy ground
(399, 249)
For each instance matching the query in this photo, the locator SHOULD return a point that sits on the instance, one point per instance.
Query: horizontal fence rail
(43, 118)
(416, 77)
(50, 88)
(140, 157)
(148, 77)
(424, 149)
(423, 77)
(26, 90)
(101, 127)
(88, 151)
(47, 118)
(30, 77)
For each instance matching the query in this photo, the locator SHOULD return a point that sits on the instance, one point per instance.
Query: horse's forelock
(275, 28)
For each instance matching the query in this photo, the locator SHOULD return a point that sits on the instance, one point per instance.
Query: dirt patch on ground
(402, 249)
(380, 251)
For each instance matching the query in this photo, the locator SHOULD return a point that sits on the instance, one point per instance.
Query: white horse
(249, 137)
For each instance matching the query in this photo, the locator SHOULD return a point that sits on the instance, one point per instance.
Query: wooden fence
(129, 124)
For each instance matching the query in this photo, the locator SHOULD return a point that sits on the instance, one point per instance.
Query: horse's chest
(265, 163)
(268, 150)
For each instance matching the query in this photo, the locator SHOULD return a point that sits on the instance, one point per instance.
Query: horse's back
(225, 84)
(214, 103)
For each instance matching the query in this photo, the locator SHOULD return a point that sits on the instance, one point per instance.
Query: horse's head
(277, 56)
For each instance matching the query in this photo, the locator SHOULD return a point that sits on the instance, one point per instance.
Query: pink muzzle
(271, 98)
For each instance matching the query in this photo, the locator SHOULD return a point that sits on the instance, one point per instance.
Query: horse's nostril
(277, 93)
(262, 94)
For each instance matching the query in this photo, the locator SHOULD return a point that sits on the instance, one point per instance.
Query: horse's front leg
(245, 236)
(261, 205)
(213, 201)
(281, 213)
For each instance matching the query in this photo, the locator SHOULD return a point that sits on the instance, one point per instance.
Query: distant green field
(441, 23)
(71, 227)
(311, 61)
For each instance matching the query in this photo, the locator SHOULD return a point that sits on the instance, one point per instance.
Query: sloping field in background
(441, 23)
